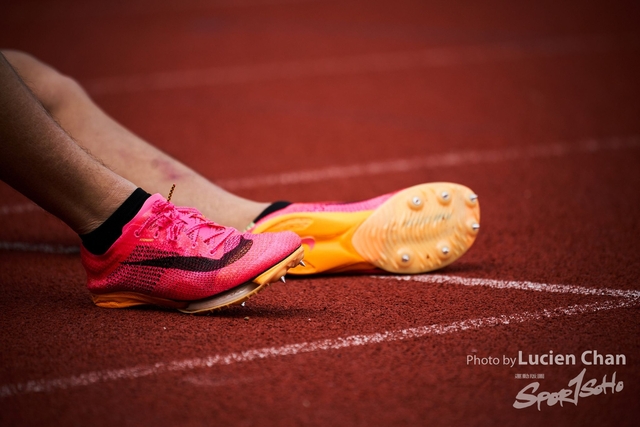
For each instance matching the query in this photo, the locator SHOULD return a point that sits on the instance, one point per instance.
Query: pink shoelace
(184, 220)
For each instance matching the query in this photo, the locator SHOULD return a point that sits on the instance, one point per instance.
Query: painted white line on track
(204, 381)
(522, 286)
(39, 247)
(83, 380)
(436, 57)
(455, 158)
(21, 208)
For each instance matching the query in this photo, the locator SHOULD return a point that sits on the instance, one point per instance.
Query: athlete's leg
(137, 248)
(39, 159)
(398, 233)
(126, 153)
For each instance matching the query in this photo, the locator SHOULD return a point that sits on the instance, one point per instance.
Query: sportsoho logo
(577, 387)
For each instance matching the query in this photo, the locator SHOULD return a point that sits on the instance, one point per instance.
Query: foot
(415, 230)
(174, 257)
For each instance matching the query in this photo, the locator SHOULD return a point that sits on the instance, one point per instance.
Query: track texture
(533, 106)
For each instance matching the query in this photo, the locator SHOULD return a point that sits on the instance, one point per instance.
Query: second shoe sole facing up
(416, 230)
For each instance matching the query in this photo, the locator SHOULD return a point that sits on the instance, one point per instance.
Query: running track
(535, 106)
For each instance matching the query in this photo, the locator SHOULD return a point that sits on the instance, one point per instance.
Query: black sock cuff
(273, 207)
(100, 240)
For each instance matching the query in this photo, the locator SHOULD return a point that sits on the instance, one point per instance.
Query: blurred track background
(534, 105)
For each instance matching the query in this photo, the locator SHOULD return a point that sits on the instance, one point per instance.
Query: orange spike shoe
(415, 230)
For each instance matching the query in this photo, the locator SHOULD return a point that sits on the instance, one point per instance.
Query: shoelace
(184, 220)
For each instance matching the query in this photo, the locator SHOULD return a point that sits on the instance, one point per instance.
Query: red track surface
(534, 106)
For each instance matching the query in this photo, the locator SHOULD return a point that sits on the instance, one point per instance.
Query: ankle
(99, 240)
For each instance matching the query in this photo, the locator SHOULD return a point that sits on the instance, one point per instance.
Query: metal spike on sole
(303, 264)
(282, 279)
(400, 238)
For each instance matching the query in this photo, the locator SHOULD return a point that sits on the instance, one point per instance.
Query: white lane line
(39, 247)
(83, 380)
(21, 208)
(455, 158)
(204, 381)
(522, 286)
(368, 63)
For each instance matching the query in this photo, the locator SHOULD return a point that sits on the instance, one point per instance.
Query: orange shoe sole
(418, 229)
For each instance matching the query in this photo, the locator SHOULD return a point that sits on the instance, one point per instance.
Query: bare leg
(126, 153)
(39, 159)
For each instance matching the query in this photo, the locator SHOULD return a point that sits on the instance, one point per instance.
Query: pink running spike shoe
(173, 257)
(415, 230)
